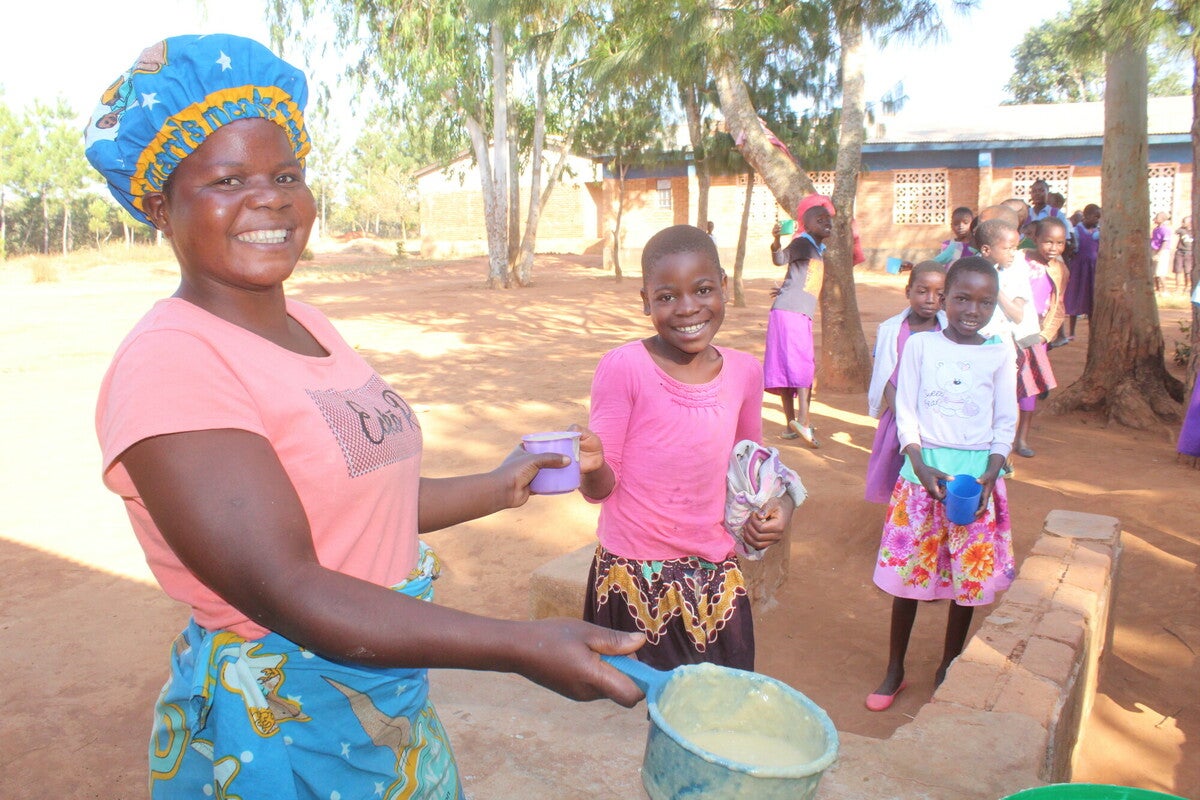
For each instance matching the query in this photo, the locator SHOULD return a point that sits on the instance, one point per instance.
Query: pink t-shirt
(349, 443)
(668, 444)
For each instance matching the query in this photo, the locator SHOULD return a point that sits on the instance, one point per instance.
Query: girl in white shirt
(956, 413)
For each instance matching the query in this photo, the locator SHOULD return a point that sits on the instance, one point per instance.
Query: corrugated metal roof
(1042, 121)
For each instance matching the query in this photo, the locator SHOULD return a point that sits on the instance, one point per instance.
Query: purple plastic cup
(554, 480)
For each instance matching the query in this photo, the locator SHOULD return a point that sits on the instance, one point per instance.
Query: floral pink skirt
(924, 556)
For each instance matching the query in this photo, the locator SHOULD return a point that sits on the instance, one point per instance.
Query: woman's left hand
(519, 468)
(766, 526)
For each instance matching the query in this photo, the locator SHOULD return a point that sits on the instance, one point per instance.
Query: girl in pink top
(666, 412)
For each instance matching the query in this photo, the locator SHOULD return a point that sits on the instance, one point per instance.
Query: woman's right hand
(563, 655)
(776, 231)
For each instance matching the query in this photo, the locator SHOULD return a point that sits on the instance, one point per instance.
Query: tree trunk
(494, 222)
(739, 260)
(1125, 374)
(783, 176)
(497, 222)
(523, 268)
(1194, 362)
(622, 170)
(845, 363)
(45, 225)
(66, 228)
(690, 94)
(514, 203)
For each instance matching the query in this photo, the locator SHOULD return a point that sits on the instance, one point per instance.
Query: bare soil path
(84, 631)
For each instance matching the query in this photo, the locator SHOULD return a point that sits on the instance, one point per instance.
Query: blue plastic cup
(962, 499)
(893, 265)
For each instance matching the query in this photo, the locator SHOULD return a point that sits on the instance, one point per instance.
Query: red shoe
(882, 702)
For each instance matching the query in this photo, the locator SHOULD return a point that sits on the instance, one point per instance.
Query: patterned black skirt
(691, 610)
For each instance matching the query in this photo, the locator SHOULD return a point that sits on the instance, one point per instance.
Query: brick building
(912, 178)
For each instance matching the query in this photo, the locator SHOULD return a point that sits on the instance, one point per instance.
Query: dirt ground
(84, 631)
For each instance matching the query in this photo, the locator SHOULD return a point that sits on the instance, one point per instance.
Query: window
(921, 197)
(765, 211)
(1058, 178)
(664, 195)
(822, 182)
(1161, 178)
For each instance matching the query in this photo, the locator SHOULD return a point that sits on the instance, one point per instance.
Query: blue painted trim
(1168, 149)
(1012, 144)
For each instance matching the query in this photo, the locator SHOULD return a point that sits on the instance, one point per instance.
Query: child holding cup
(789, 360)
(666, 412)
(956, 414)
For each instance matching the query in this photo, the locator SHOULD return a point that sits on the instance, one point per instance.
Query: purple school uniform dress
(1078, 298)
(886, 459)
(1189, 435)
(789, 358)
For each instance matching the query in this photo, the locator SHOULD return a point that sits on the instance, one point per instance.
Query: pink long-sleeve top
(668, 444)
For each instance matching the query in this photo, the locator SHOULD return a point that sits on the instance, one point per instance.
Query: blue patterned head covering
(177, 93)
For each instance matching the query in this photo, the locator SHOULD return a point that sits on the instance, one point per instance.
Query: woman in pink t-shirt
(666, 412)
(273, 477)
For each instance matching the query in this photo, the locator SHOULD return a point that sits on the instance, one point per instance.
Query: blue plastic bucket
(727, 734)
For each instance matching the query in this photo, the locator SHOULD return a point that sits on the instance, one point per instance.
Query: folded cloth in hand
(755, 475)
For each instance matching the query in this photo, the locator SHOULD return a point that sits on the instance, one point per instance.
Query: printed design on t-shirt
(372, 424)
(951, 395)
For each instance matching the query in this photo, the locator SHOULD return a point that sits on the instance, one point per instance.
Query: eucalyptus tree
(559, 56)
(624, 129)
(845, 362)
(381, 193)
(12, 133)
(1187, 22)
(458, 70)
(1125, 375)
(53, 168)
(1050, 67)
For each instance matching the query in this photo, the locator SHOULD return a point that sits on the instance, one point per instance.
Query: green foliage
(1062, 59)
(1044, 71)
(101, 217)
(381, 194)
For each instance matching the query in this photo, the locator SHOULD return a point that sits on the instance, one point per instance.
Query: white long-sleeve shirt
(887, 339)
(959, 396)
(1014, 282)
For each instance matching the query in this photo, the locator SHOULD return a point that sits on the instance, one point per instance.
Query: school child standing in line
(1077, 299)
(960, 245)
(1047, 280)
(956, 413)
(1183, 264)
(1039, 200)
(996, 240)
(789, 360)
(926, 283)
(666, 412)
(1160, 250)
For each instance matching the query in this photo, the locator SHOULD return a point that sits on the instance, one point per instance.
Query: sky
(42, 58)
